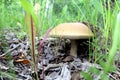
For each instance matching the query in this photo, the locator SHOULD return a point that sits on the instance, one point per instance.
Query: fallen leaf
(24, 61)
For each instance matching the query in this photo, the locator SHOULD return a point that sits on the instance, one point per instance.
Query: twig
(53, 65)
(10, 50)
(112, 76)
(117, 72)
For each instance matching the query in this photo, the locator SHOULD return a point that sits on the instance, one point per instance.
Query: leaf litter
(58, 64)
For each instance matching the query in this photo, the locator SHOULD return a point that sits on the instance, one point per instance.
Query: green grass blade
(115, 43)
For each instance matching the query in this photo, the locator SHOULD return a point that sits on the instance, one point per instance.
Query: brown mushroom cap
(71, 31)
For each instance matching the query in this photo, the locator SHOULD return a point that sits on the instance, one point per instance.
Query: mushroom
(72, 31)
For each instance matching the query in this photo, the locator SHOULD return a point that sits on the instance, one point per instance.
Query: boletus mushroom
(72, 31)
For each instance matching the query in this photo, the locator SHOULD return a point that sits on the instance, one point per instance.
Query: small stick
(112, 76)
(10, 50)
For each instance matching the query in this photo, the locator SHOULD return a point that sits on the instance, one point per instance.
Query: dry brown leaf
(24, 61)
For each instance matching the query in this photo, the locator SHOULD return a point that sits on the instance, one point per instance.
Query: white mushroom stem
(73, 50)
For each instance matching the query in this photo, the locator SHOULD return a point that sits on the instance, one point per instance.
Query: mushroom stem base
(73, 50)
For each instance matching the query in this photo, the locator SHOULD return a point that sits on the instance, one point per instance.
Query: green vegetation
(102, 14)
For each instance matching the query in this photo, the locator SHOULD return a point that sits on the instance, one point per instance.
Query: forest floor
(54, 62)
